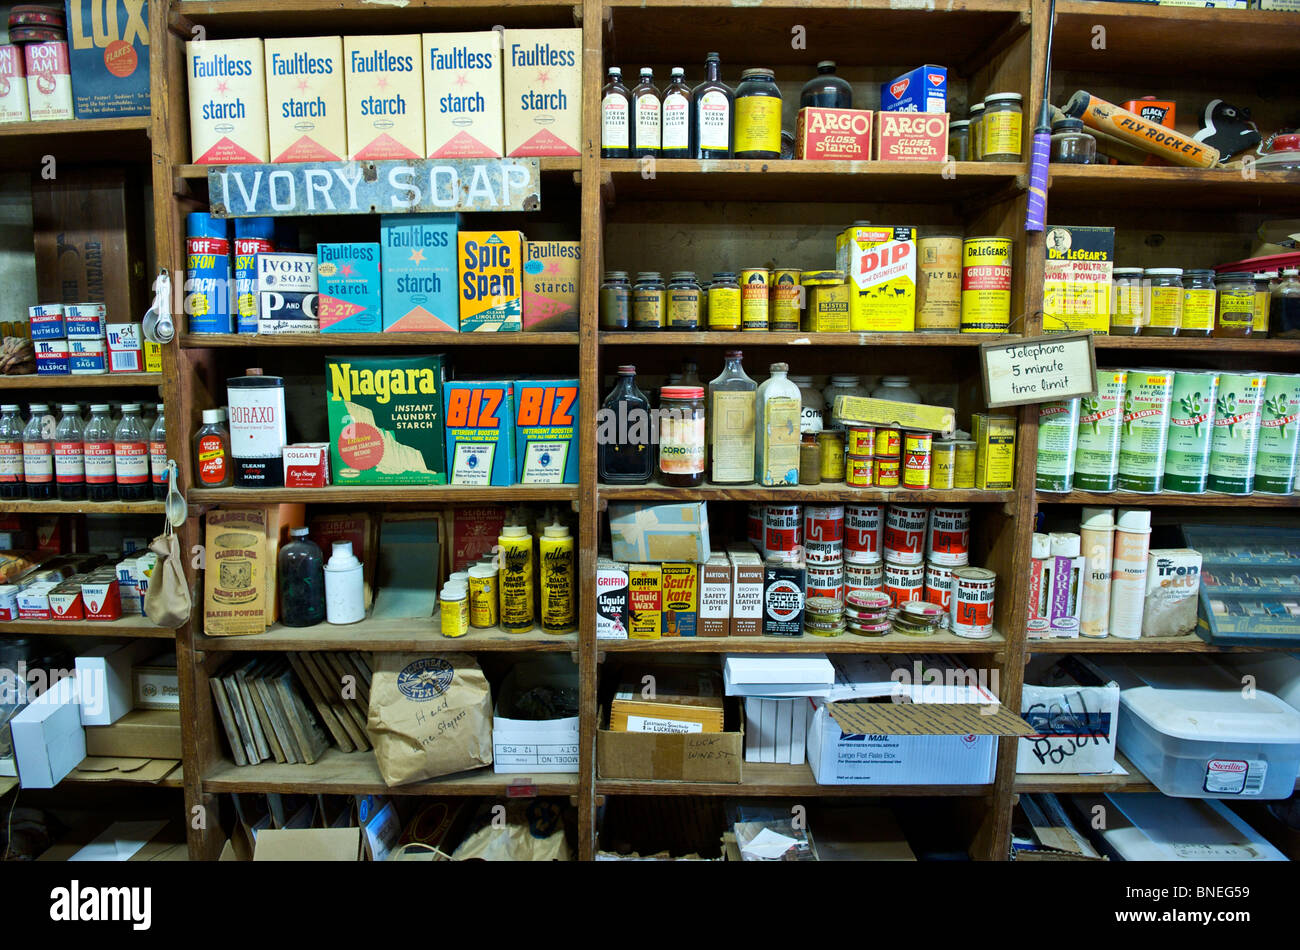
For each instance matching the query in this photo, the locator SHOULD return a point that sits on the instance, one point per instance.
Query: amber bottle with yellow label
(758, 115)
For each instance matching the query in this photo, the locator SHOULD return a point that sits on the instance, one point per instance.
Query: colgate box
(307, 465)
(100, 596)
(911, 137)
(833, 134)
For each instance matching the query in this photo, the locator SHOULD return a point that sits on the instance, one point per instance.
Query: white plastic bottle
(1128, 578)
(776, 442)
(344, 588)
(1097, 529)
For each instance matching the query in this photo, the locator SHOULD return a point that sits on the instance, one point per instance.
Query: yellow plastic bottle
(516, 578)
(558, 607)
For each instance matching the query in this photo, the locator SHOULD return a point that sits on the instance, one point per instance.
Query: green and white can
(1142, 445)
(1236, 433)
(1058, 430)
(1191, 423)
(1096, 455)
(1279, 435)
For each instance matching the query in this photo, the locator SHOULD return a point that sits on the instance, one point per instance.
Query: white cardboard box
(1074, 729)
(49, 741)
(532, 746)
(104, 681)
(462, 95)
(757, 674)
(543, 92)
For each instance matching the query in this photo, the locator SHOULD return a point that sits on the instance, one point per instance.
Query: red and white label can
(863, 576)
(862, 533)
(972, 602)
(754, 524)
(904, 536)
(938, 588)
(13, 84)
(823, 534)
(904, 582)
(781, 529)
(49, 81)
(948, 541)
(825, 580)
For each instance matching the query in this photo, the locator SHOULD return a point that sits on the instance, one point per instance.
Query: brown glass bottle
(676, 139)
(615, 117)
(711, 123)
(647, 113)
(623, 435)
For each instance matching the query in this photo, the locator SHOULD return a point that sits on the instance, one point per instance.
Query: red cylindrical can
(904, 582)
(948, 539)
(862, 529)
(781, 528)
(904, 536)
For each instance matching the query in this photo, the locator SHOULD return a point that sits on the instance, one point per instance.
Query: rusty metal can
(861, 441)
(916, 460)
(832, 443)
(889, 443)
(887, 472)
(858, 472)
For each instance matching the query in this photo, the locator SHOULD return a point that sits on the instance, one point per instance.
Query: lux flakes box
(546, 431)
(304, 99)
(385, 97)
(543, 92)
(552, 270)
(491, 276)
(108, 51)
(480, 426)
(418, 272)
(227, 102)
(462, 94)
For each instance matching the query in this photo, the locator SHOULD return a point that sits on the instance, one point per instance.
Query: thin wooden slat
(770, 780)
(341, 341)
(848, 643)
(1161, 499)
(401, 494)
(107, 381)
(82, 507)
(755, 338)
(126, 627)
(824, 493)
(388, 636)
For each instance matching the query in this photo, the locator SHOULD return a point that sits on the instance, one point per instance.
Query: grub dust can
(972, 602)
(863, 525)
(938, 589)
(1191, 424)
(781, 528)
(863, 576)
(1101, 421)
(948, 538)
(904, 582)
(985, 285)
(825, 580)
(823, 534)
(904, 535)
(916, 460)
(1279, 435)
(1236, 434)
(1145, 436)
(1058, 427)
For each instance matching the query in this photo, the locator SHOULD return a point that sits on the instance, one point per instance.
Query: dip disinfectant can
(1279, 435)
(1058, 425)
(1236, 433)
(1096, 457)
(1191, 421)
(1145, 437)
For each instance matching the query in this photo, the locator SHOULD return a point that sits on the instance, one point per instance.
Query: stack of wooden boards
(288, 707)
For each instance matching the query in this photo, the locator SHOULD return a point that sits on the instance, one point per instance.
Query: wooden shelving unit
(126, 627)
(109, 381)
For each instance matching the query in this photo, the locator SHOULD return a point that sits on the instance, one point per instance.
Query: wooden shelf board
(389, 636)
(1202, 346)
(228, 18)
(132, 123)
(351, 340)
(1135, 781)
(81, 507)
(374, 494)
(108, 381)
(356, 773)
(549, 165)
(848, 643)
(1188, 644)
(762, 779)
(803, 181)
(823, 493)
(1197, 189)
(1209, 499)
(790, 338)
(126, 627)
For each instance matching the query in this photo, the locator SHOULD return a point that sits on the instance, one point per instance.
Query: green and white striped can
(1096, 455)
(1058, 429)
(1145, 437)
(1236, 433)
(1279, 435)
(1191, 423)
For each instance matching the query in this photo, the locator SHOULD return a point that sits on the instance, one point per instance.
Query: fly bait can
(986, 285)
(1236, 434)
(754, 286)
(1145, 436)
(1191, 423)
(916, 460)
(1101, 421)
(785, 293)
(938, 284)
(972, 602)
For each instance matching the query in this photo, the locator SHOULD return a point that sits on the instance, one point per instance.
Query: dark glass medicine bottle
(711, 128)
(623, 434)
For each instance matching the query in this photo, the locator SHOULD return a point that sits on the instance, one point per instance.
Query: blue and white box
(46, 321)
(350, 292)
(418, 268)
(924, 89)
(479, 418)
(108, 57)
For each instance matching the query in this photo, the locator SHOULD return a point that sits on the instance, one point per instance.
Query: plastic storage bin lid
(1205, 715)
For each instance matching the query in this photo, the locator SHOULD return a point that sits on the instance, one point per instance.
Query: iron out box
(479, 419)
(546, 431)
(108, 54)
(418, 273)
(350, 299)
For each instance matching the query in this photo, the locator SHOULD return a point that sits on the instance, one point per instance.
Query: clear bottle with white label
(810, 415)
(97, 448)
(69, 455)
(730, 424)
(711, 124)
(615, 117)
(158, 456)
(131, 455)
(647, 112)
(38, 453)
(676, 139)
(11, 452)
(776, 439)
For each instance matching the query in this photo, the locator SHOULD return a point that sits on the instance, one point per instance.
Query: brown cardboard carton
(234, 576)
(715, 596)
(682, 757)
(746, 593)
(145, 733)
(679, 699)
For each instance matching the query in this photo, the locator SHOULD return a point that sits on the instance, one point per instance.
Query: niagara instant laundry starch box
(304, 99)
(227, 90)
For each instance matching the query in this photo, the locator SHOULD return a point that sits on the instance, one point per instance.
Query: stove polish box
(227, 102)
(546, 431)
(543, 92)
(552, 270)
(304, 99)
(479, 417)
(490, 270)
(385, 96)
(49, 81)
(462, 93)
(417, 260)
(108, 50)
(350, 294)
(13, 84)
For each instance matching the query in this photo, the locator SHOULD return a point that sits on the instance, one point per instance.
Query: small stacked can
(824, 616)
(863, 570)
(69, 339)
(918, 618)
(866, 613)
(823, 551)
(35, 78)
(860, 457)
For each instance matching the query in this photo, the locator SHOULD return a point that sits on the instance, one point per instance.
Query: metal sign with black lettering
(1038, 369)
(391, 187)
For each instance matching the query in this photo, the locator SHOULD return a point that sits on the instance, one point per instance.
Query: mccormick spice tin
(52, 357)
(46, 321)
(972, 602)
(904, 582)
(861, 441)
(859, 472)
(948, 536)
(887, 472)
(863, 525)
(916, 460)
(87, 357)
(85, 321)
(904, 536)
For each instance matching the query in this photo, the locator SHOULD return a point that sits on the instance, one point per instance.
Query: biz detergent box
(491, 278)
(385, 419)
(552, 270)
(347, 276)
(543, 92)
(1076, 279)
(108, 52)
(462, 94)
(417, 256)
(227, 89)
(385, 97)
(546, 432)
(480, 426)
(304, 99)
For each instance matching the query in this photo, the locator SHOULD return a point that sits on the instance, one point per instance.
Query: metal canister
(947, 539)
(916, 459)
(861, 441)
(943, 465)
(986, 285)
(858, 472)
(754, 524)
(832, 443)
(863, 525)
(782, 526)
(964, 464)
(972, 602)
(904, 582)
(755, 285)
(823, 534)
(783, 308)
(889, 443)
(904, 535)
(860, 576)
(827, 301)
(825, 580)
(888, 472)
(938, 283)
(938, 588)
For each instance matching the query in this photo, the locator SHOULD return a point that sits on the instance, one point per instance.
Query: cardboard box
(480, 432)
(351, 294)
(385, 416)
(682, 757)
(306, 465)
(65, 601)
(833, 135)
(104, 680)
(227, 88)
(490, 275)
(644, 601)
(674, 532)
(472, 534)
(552, 274)
(543, 92)
(777, 675)
(945, 735)
(1074, 729)
(881, 264)
(145, 840)
(108, 50)
(49, 81)
(668, 698)
(418, 270)
(1051, 833)
(1076, 278)
(48, 737)
(384, 90)
(911, 137)
(546, 431)
(235, 571)
(462, 94)
(715, 596)
(746, 593)
(155, 683)
(101, 598)
(288, 312)
(886, 412)
(13, 86)
(125, 350)
(995, 451)
(34, 601)
(611, 600)
(923, 89)
(304, 99)
(532, 746)
(142, 733)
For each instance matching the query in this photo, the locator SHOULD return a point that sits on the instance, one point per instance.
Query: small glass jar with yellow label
(1162, 296)
(1001, 127)
(683, 301)
(648, 299)
(1128, 313)
(758, 115)
(1199, 303)
(1236, 313)
(724, 301)
(615, 301)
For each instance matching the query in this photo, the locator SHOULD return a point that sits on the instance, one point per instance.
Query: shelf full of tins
(203, 362)
(707, 216)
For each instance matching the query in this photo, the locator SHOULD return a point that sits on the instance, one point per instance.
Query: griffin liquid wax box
(385, 97)
(543, 92)
(491, 278)
(611, 599)
(418, 272)
(108, 51)
(227, 88)
(480, 424)
(546, 431)
(462, 94)
(350, 292)
(304, 99)
(551, 274)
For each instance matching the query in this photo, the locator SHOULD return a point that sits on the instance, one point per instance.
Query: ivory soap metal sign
(1039, 369)
(391, 187)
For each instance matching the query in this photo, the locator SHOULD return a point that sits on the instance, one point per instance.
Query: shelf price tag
(1038, 369)
(391, 187)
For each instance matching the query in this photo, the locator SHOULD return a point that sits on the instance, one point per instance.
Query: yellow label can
(1198, 309)
(858, 472)
(758, 124)
(754, 287)
(828, 298)
(454, 613)
(861, 441)
(889, 443)
(785, 294)
(724, 308)
(888, 472)
(832, 443)
(985, 285)
(964, 464)
(943, 465)
(483, 595)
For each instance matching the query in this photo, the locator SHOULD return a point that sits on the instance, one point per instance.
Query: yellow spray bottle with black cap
(558, 608)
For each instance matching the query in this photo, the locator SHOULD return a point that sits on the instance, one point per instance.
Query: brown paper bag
(429, 715)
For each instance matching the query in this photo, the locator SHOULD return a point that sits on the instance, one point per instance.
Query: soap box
(491, 277)
(306, 465)
(480, 427)
(923, 89)
(418, 272)
(543, 92)
(13, 84)
(546, 432)
(552, 270)
(304, 99)
(49, 82)
(292, 311)
(350, 293)
(385, 97)
(227, 102)
(462, 93)
(673, 532)
(108, 50)
(281, 270)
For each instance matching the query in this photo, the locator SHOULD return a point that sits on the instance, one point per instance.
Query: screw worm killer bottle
(711, 129)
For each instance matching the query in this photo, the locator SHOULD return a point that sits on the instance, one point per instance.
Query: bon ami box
(418, 272)
(546, 431)
(543, 92)
(304, 99)
(462, 94)
(108, 51)
(49, 82)
(923, 89)
(350, 292)
(881, 264)
(13, 84)
(674, 532)
(911, 137)
(479, 419)
(1076, 279)
(227, 102)
(552, 270)
(385, 418)
(385, 96)
(934, 734)
(833, 134)
(490, 271)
